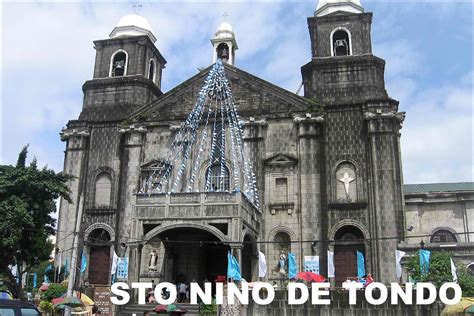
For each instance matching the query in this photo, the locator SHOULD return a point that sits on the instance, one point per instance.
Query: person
(182, 291)
(95, 309)
(151, 293)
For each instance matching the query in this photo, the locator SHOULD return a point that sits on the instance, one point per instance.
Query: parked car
(17, 308)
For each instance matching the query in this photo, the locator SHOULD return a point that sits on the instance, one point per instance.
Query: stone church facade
(328, 164)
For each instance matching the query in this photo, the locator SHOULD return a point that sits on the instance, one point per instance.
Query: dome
(133, 25)
(330, 6)
(226, 27)
(224, 31)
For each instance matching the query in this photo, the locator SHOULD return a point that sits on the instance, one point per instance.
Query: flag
(122, 268)
(424, 261)
(292, 270)
(66, 267)
(46, 278)
(262, 265)
(360, 264)
(13, 269)
(113, 270)
(60, 263)
(233, 268)
(453, 271)
(331, 268)
(83, 263)
(311, 264)
(35, 276)
(398, 262)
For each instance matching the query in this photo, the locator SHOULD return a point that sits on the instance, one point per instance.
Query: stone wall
(339, 307)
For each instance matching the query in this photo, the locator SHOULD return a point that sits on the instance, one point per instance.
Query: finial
(225, 15)
(137, 7)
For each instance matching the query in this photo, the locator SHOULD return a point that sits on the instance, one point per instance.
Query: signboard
(102, 300)
(122, 268)
(311, 264)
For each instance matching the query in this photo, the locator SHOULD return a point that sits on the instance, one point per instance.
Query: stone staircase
(137, 309)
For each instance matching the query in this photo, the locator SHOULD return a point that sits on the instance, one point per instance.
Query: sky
(47, 54)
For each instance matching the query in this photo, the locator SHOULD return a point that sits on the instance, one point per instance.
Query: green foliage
(440, 272)
(440, 268)
(465, 280)
(54, 290)
(46, 307)
(28, 196)
(209, 309)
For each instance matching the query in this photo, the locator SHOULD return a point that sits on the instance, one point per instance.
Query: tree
(27, 200)
(440, 272)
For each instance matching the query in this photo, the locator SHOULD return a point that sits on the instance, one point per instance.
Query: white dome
(329, 6)
(224, 27)
(133, 25)
(224, 31)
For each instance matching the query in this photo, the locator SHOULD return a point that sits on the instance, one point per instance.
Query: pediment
(281, 160)
(252, 95)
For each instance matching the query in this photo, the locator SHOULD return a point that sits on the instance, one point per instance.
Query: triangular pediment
(252, 95)
(281, 160)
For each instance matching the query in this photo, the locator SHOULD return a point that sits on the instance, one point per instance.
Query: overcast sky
(47, 54)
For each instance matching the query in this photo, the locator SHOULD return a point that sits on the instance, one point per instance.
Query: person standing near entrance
(182, 291)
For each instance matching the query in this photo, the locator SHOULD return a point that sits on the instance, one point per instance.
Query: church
(327, 165)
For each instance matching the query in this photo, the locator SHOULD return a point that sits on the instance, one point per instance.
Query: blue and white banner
(311, 264)
(122, 268)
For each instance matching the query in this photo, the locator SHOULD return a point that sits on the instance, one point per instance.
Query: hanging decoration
(212, 135)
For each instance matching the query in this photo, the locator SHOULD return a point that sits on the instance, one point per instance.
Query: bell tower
(127, 71)
(224, 44)
(342, 68)
(361, 174)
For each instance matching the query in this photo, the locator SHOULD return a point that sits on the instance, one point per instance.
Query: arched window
(103, 190)
(223, 51)
(118, 64)
(282, 242)
(340, 43)
(443, 235)
(151, 70)
(99, 237)
(346, 183)
(219, 179)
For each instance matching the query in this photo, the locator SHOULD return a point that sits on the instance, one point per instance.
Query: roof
(438, 187)
(256, 97)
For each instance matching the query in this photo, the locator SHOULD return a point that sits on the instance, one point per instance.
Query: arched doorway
(99, 256)
(192, 254)
(348, 240)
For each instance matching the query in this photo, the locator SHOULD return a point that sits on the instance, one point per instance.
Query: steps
(133, 308)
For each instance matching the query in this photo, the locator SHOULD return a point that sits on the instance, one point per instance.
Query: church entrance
(349, 240)
(193, 254)
(99, 257)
